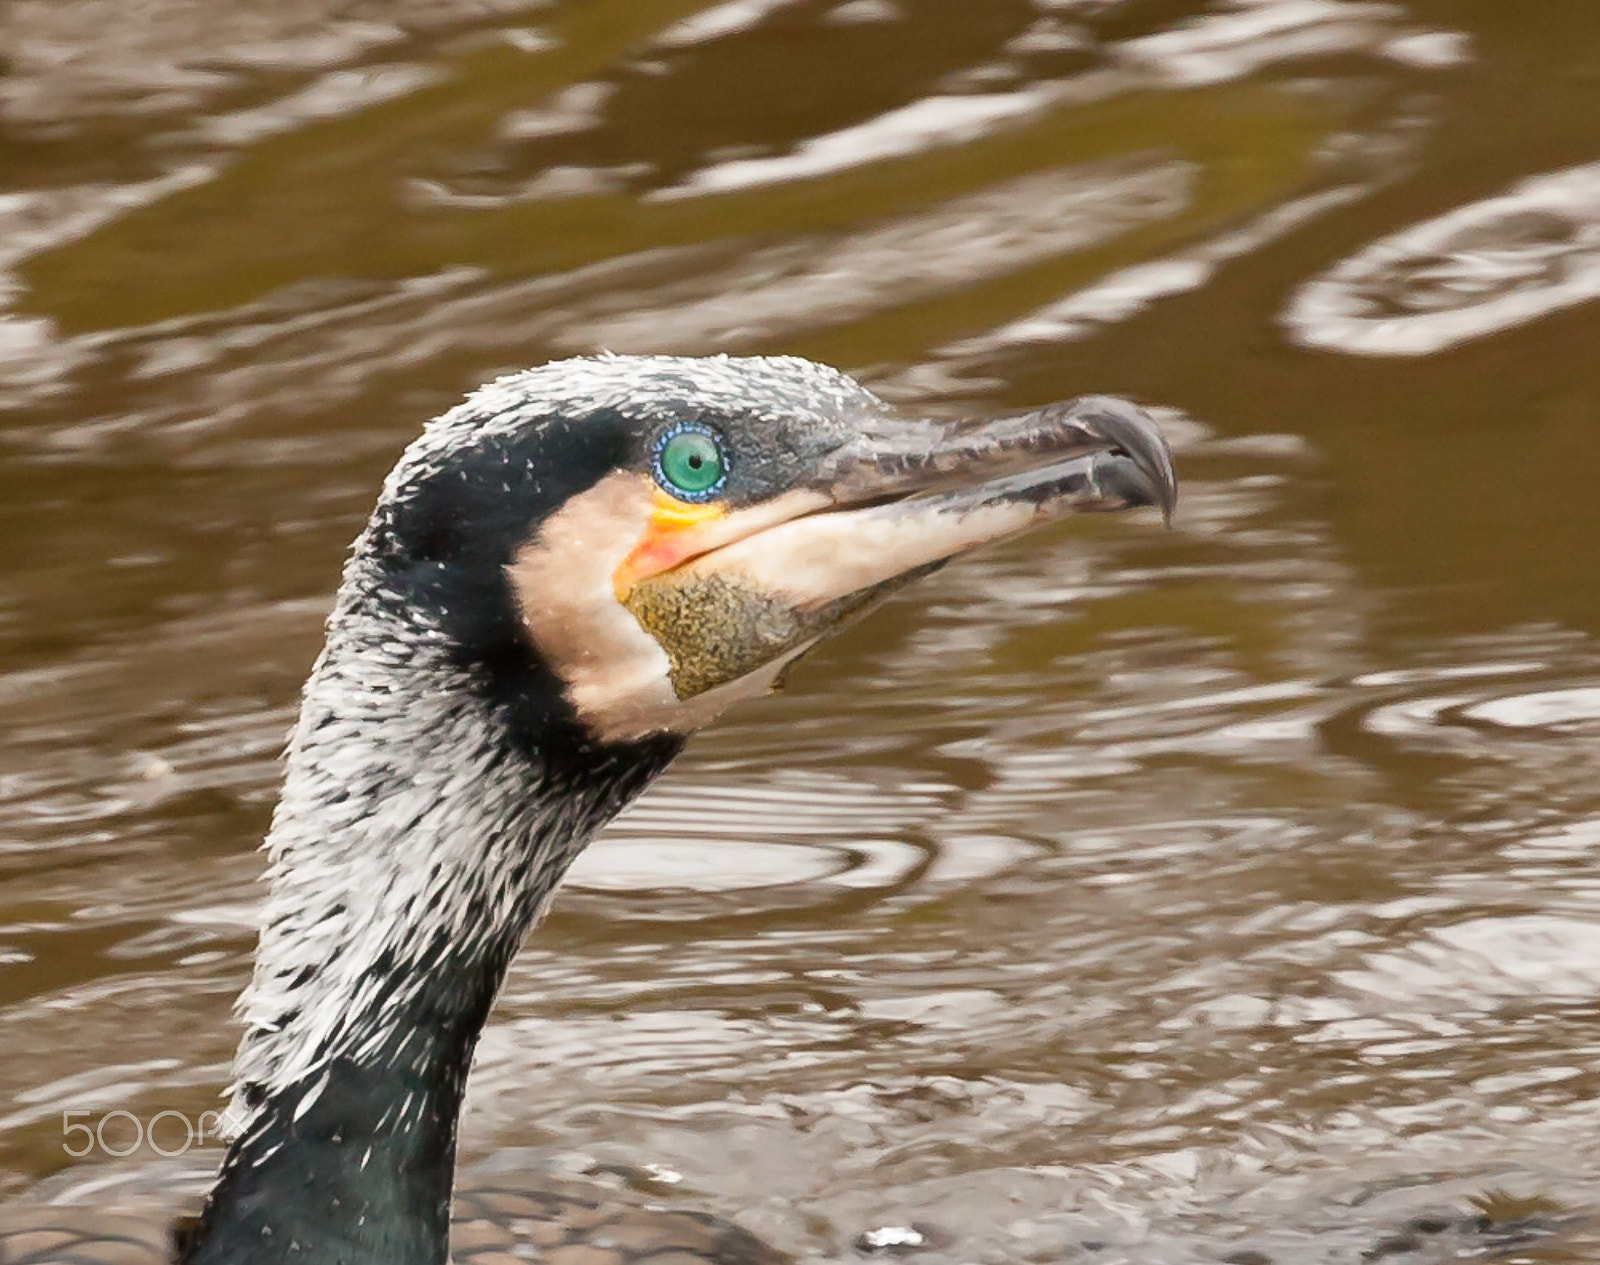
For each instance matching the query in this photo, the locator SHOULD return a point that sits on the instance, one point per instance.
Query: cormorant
(564, 577)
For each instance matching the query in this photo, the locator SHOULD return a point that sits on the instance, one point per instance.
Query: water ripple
(1482, 268)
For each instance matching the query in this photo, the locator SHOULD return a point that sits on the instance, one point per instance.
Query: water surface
(1179, 892)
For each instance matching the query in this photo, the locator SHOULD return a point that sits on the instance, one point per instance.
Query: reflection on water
(1220, 891)
(1480, 269)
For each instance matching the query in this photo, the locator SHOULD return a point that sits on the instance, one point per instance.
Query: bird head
(657, 537)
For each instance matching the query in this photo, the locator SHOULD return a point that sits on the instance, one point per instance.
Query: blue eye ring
(686, 459)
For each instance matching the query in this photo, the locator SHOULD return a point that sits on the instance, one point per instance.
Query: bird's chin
(723, 627)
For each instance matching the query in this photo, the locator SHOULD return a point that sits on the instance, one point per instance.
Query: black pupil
(696, 461)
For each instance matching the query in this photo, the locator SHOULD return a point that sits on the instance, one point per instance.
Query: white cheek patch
(618, 679)
(616, 675)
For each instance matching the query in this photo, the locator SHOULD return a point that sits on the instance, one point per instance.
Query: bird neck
(428, 812)
(353, 1164)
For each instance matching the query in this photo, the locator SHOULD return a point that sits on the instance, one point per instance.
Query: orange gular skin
(672, 535)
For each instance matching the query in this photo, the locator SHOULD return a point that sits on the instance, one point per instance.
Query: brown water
(1228, 887)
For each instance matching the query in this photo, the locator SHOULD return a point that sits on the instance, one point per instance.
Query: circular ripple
(655, 865)
(798, 839)
(1482, 268)
(1546, 709)
(1449, 706)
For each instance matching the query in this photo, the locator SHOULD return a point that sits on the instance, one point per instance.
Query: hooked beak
(1096, 437)
(730, 592)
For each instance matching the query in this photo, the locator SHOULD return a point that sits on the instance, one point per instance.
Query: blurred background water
(1232, 886)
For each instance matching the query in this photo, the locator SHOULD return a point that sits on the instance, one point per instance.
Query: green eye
(690, 463)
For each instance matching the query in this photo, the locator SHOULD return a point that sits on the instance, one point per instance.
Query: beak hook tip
(1133, 434)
